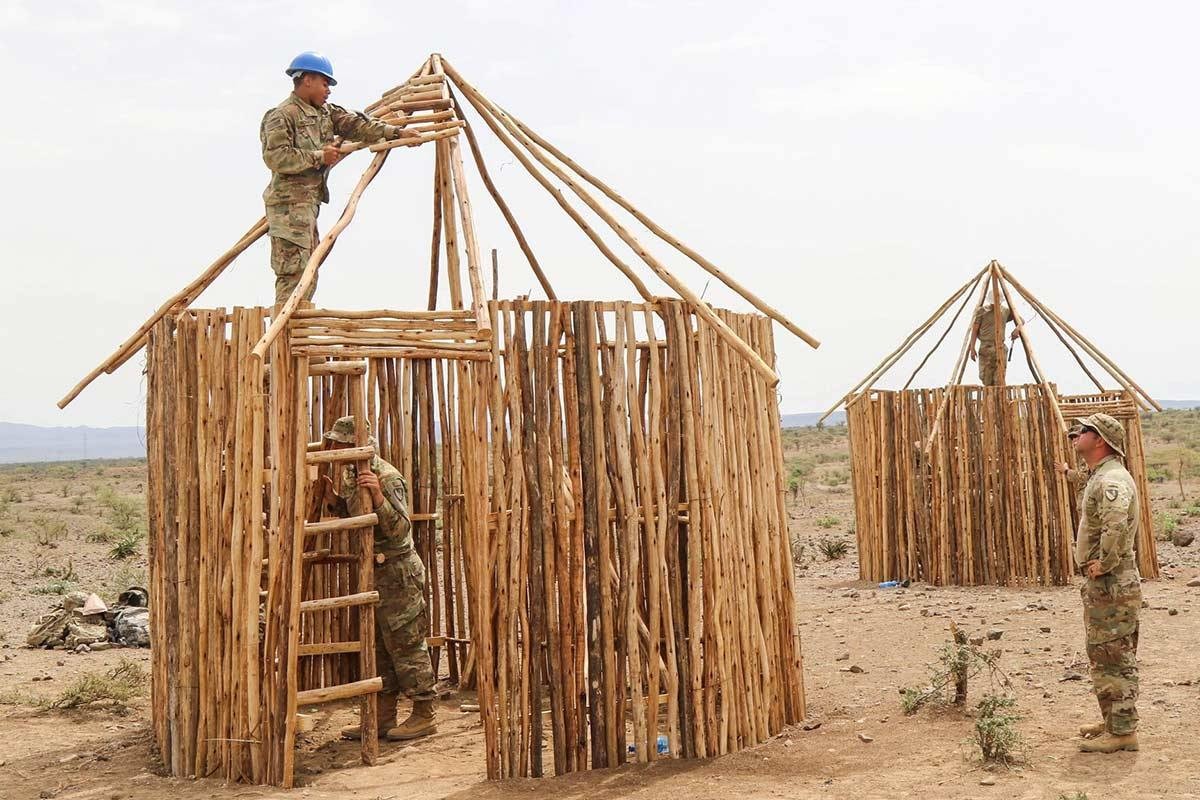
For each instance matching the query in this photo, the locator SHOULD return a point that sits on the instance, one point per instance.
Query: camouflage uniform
(293, 134)
(1108, 526)
(990, 374)
(401, 618)
(1077, 479)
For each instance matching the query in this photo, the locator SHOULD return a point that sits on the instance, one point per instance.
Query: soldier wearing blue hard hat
(298, 146)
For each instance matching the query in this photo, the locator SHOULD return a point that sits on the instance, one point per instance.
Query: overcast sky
(852, 162)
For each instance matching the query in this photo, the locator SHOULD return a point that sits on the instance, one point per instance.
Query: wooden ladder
(362, 547)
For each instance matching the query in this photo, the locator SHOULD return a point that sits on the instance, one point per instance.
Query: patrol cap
(343, 431)
(1109, 430)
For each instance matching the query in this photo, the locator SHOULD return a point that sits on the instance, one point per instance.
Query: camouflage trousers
(991, 368)
(401, 625)
(288, 260)
(1110, 608)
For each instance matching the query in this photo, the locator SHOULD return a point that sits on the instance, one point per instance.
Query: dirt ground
(890, 636)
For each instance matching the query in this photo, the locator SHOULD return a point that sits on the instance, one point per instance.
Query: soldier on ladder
(401, 620)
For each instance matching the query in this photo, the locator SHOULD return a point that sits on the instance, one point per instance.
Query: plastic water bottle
(662, 745)
(889, 584)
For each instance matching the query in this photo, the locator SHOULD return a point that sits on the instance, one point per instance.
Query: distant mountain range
(22, 443)
(26, 443)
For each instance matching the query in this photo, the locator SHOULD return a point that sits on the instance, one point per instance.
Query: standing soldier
(298, 146)
(1112, 592)
(991, 353)
(401, 620)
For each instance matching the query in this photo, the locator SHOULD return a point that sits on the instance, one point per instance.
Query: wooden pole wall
(985, 505)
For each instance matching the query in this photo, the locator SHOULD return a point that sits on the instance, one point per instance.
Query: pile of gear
(82, 622)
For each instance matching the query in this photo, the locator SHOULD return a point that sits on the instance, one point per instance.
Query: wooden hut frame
(957, 485)
(596, 490)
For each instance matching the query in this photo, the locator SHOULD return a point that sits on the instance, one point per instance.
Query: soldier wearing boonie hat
(401, 619)
(1111, 591)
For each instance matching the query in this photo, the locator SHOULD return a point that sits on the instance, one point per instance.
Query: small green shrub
(127, 545)
(833, 549)
(77, 505)
(828, 522)
(58, 586)
(125, 514)
(798, 551)
(49, 531)
(115, 687)
(995, 728)
(100, 537)
(11, 495)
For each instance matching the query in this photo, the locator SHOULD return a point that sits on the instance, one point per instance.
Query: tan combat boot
(387, 717)
(1110, 743)
(1092, 731)
(419, 723)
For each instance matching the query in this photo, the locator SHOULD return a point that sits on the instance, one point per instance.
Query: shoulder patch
(1110, 493)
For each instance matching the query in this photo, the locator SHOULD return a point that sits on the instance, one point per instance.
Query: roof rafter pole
(959, 367)
(557, 194)
(701, 308)
(1110, 367)
(449, 221)
(423, 70)
(658, 231)
(904, 347)
(998, 327)
(1033, 362)
(474, 277)
(458, 173)
(181, 299)
(310, 269)
(1070, 349)
(473, 143)
(966, 298)
(436, 245)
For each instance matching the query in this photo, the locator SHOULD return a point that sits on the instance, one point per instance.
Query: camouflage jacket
(292, 136)
(393, 532)
(986, 321)
(1108, 520)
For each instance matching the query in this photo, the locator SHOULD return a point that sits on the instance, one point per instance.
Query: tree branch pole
(310, 269)
(701, 308)
(603, 247)
(658, 231)
(955, 376)
(183, 297)
(473, 143)
(945, 333)
(904, 347)
(1104, 361)
(1050, 391)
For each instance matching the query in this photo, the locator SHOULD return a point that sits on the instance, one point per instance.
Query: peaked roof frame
(999, 283)
(427, 106)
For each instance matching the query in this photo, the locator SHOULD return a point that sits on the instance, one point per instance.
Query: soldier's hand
(329, 496)
(330, 154)
(370, 481)
(1062, 467)
(1016, 333)
(971, 353)
(1093, 569)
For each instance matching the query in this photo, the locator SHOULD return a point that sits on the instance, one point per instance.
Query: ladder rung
(344, 524)
(329, 648)
(338, 368)
(339, 692)
(345, 454)
(344, 601)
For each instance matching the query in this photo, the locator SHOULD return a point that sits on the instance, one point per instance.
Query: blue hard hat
(310, 61)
